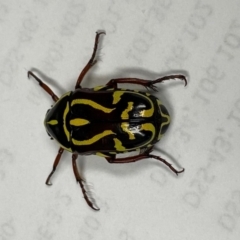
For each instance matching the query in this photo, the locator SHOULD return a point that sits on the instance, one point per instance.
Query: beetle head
(56, 121)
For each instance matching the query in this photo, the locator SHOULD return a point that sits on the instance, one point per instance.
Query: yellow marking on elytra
(101, 154)
(53, 122)
(64, 95)
(117, 96)
(138, 149)
(92, 104)
(79, 122)
(145, 126)
(143, 113)
(125, 128)
(93, 139)
(148, 112)
(66, 110)
(98, 88)
(160, 136)
(68, 149)
(118, 145)
(167, 117)
(148, 127)
(124, 114)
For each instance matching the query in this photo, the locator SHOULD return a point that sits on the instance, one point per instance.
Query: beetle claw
(177, 172)
(101, 32)
(152, 87)
(183, 78)
(48, 182)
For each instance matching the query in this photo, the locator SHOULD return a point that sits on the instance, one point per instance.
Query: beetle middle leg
(146, 83)
(91, 62)
(81, 181)
(142, 156)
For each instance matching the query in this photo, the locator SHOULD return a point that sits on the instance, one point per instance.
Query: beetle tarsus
(56, 161)
(48, 179)
(81, 181)
(86, 197)
(166, 163)
(91, 62)
(170, 77)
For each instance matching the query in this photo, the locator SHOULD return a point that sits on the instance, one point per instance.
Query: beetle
(106, 120)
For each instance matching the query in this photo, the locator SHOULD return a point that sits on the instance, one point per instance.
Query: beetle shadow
(47, 80)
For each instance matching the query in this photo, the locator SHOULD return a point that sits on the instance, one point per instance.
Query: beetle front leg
(142, 156)
(57, 160)
(146, 83)
(90, 63)
(81, 181)
(44, 86)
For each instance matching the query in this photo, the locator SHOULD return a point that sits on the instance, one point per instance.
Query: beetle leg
(91, 62)
(166, 163)
(146, 83)
(44, 86)
(81, 181)
(141, 157)
(57, 160)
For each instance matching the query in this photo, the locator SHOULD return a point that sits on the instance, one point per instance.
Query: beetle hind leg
(142, 156)
(146, 83)
(81, 182)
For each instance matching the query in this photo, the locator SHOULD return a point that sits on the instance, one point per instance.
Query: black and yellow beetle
(106, 121)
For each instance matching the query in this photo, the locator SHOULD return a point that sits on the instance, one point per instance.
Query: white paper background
(145, 39)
